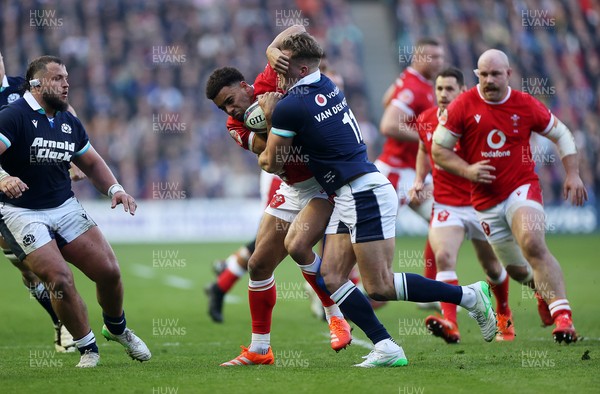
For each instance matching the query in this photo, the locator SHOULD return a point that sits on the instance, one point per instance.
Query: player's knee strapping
(510, 254)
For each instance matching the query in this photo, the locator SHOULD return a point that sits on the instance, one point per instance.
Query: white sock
(260, 343)
(333, 310)
(86, 340)
(446, 276)
(469, 297)
(387, 345)
(500, 279)
(313, 267)
(559, 305)
(234, 267)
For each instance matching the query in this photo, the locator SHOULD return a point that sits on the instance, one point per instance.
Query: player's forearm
(571, 164)
(98, 173)
(423, 166)
(449, 160)
(269, 162)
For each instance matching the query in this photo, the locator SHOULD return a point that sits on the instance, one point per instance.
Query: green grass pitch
(166, 306)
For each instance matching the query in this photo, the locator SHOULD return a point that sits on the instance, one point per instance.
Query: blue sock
(91, 347)
(356, 307)
(116, 325)
(88, 342)
(416, 288)
(43, 297)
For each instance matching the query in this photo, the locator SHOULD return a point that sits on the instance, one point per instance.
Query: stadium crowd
(138, 70)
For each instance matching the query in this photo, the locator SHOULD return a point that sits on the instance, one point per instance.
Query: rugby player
(454, 219)
(41, 219)
(493, 124)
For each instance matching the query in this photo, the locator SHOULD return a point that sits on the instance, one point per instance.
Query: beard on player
(55, 102)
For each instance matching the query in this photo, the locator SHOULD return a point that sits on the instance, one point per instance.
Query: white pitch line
(143, 271)
(356, 341)
(179, 282)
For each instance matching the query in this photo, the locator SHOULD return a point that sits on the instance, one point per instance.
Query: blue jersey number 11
(351, 120)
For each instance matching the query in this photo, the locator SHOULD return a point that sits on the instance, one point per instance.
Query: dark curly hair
(221, 77)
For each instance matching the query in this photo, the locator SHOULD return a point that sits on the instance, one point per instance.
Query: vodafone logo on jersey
(321, 100)
(496, 140)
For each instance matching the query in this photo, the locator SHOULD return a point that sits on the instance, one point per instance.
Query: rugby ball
(254, 118)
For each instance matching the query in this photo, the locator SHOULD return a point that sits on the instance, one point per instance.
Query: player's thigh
(91, 253)
(48, 264)
(270, 249)
(309, 226)
(529, 229)
(445, 242)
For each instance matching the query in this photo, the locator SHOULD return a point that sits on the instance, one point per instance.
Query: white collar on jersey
(33, 102)
(505, 99)
(5, 82)
(307, 80)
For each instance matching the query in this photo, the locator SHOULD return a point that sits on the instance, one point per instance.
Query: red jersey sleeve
(543, 120)
(452, 117)
(240, 133)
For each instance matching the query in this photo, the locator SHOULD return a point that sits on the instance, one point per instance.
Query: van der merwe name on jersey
(43, 151)
(339, 107)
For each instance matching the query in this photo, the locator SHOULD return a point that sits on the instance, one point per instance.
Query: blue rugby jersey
(11, 89)
(315, 113)
(39, 152)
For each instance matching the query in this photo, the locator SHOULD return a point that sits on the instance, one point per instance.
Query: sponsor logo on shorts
(486, 228)
(28, 239)
(443, 216)
(277, 201)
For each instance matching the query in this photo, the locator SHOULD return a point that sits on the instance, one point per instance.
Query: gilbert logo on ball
(321, 100)
(254, 118)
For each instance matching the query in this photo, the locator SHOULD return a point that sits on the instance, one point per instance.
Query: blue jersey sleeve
(287, 119)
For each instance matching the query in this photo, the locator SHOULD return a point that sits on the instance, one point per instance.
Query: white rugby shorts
(26, 230)
(496, 222)
(289, 200)
(465, 217)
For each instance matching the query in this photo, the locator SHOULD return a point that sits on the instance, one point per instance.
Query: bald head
(495, 57)
(494, 72)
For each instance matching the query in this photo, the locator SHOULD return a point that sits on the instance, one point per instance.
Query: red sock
(449, 310)
(500, 291)
(430, 267)
(262, 301)
(226, 280)
(323, 296)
